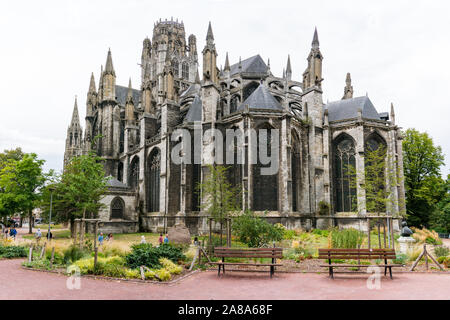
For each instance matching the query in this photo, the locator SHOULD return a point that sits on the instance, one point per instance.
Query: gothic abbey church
(317, 141)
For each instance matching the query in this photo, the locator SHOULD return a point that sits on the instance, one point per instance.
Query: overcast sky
(397, 51)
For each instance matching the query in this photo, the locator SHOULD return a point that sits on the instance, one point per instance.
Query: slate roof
(195, 110)
(122, 93)
(114, 183)
(261, 98)
(348, 109)
(193, 88)
(253, 64)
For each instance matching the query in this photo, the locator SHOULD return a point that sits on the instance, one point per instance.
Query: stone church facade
(316, 141)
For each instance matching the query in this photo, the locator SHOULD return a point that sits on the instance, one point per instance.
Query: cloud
(395, 50)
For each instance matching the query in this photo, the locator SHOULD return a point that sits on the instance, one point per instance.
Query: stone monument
(406, 241)
(179, 234)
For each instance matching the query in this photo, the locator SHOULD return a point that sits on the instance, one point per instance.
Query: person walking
(160, 240)
(13, 233)
(38, 236)
(6, 233)
(110, 237)
(143, 240)
(166, 239)
(100, 238)
(49, 236)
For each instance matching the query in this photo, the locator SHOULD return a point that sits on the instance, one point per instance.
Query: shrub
(324, 208)
(163, 274)
(441, 251)
(74, 253)
(132, 273)
(254, 231)
(147, 255)
(444, 260)
(426, 236)
(289, 234)
(401, 258)
(10, 252)
(170, 266)
(346, 239)
(322, 233)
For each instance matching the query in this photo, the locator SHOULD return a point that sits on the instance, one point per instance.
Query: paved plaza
(17, 283)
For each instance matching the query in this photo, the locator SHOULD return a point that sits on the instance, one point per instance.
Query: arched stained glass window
(134, 173)
(344, 156)
(295, 171)
(185, 70)
(153, 180)
(265, 187)
(117, 208)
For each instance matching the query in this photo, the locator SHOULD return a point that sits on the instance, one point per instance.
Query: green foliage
(289, 234)
(379, 196)
(422, 161)
(346, 239)
(20, 181)
(255, 231)
(9, 252)
(221, 199)
(78, 190)
(322, 233)
(147, 255)
(324, 208)
(401, 258)
(441, 251)
(440, 218)
(74, 253)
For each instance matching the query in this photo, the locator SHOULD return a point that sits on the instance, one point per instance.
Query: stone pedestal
(179, 234)
(406, 244)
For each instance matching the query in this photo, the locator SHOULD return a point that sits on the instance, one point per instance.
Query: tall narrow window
(134, 173)
(344, 159)
(185, 71)
(196, 179)
(176, 68)
(374, 165)
(265, 187)
(120, 172)
(295, 176)
(117, 208)
(153, 181)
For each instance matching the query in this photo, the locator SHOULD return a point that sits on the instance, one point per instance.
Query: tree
(20, 181)
(378, 181)
(422, 161)
(220, 197)
(77, 192)
(7, 204)
(440, 218)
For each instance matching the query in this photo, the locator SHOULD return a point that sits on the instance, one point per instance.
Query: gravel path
(17, 283)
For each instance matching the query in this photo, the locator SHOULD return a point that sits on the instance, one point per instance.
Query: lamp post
(51, 188)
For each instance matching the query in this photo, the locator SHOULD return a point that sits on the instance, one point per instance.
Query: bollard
(52, 258)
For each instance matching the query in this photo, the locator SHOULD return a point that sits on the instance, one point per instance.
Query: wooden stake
(379, 234)
(368, 232)
(392, 233)
(30, 254)
(426, 255)
(384, 234)
(52, 258)
(43, 250)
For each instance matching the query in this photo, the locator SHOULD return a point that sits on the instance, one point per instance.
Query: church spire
(129, 105)
(315, 42)
(92, 84)
(209, 35)
(392, 114)
(227, 63)
(109, 80)
(197, 78)
(109, 68)
(209, 58)
(312, 77)
(130, 93)
(348, 90)
(75, 115)
(288, 68)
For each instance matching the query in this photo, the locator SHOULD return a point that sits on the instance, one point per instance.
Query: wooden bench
(358, 254)
(272, 253)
